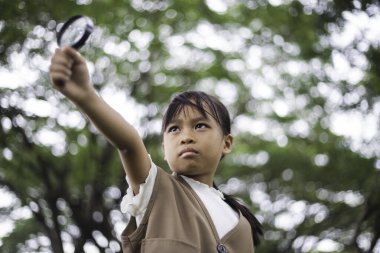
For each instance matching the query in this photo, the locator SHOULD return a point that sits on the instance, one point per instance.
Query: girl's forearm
(122, 135)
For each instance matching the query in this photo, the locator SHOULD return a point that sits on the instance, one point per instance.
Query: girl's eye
(173, 129)
(200, 126)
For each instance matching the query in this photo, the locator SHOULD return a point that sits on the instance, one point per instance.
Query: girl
(183, 212)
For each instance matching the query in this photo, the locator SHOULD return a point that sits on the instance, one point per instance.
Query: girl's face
(193, 145)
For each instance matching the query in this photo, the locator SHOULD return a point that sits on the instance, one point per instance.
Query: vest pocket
(167, 246)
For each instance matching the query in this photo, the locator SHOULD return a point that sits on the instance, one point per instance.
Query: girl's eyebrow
(196, 119)
(201, 118)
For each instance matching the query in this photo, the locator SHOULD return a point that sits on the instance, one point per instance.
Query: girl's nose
(187, 138)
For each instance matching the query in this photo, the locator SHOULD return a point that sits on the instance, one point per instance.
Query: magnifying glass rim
(87, 31)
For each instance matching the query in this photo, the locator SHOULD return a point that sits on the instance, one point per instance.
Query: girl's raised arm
(69, 74)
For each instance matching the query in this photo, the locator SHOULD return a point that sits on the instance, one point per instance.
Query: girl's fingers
(61, 59)
(60, 67)
(73, 55)
(58, 78)
(59, 73)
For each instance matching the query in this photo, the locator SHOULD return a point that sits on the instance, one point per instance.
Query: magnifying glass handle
(60, 83)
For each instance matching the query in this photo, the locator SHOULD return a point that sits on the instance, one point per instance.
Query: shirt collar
(202, 187)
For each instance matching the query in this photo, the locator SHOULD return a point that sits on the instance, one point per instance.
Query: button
(221, 248)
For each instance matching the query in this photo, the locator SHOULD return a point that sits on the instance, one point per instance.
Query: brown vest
(177, 221)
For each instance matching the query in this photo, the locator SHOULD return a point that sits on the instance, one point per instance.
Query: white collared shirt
(222, 215)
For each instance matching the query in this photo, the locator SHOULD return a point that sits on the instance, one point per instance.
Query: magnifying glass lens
(75, 32)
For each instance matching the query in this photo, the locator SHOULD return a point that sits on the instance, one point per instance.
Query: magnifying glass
(74, 33)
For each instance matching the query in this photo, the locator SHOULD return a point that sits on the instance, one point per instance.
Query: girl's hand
(69, 75)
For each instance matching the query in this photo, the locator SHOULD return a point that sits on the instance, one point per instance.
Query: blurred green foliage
(303, 181)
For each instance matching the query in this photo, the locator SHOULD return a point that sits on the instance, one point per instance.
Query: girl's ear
(228, 141)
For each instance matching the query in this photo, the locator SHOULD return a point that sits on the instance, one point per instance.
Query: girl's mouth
(187, 152)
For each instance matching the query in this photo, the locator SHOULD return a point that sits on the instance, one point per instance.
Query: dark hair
(201, 102)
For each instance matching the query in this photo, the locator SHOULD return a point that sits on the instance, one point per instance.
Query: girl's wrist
(87, 99)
